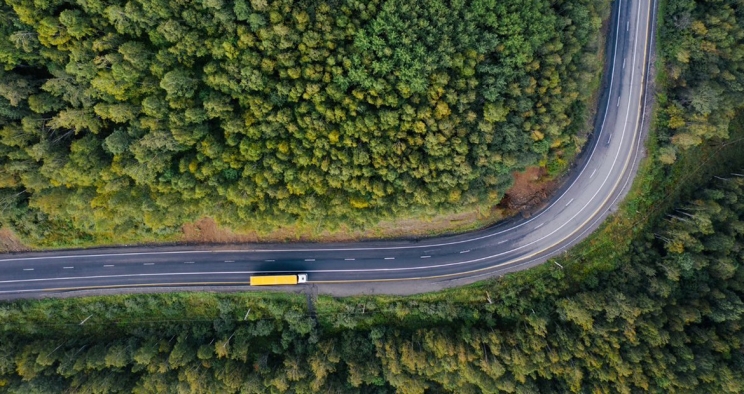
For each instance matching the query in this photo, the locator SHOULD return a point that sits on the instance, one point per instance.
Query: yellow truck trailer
(275, 280)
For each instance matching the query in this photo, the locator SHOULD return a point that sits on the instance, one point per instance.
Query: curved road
(576, 210)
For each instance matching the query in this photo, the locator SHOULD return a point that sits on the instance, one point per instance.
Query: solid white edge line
(649, 44)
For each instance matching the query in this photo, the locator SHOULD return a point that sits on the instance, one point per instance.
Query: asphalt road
(601, 178)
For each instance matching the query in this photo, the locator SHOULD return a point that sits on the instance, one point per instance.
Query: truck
(273, 280)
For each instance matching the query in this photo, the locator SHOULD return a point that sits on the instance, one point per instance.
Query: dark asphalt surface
(599, 181)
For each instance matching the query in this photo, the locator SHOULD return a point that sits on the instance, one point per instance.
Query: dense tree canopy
(703, 48)
(119, 117)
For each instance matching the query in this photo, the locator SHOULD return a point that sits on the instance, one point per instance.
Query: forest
(704, 72)
(126, 119)
(668, 319)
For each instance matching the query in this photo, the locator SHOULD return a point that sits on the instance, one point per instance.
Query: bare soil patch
(531, 188)
(10, 243)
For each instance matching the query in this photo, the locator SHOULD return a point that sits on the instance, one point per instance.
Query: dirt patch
(10, 243)
(530, 189)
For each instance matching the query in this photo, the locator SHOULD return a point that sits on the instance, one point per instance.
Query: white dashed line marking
(425, 257)
(349, 259)
(593, 172)
(569, 203)
(229, 261)
(623, 64)
(309, 259)
(109, 265)
(28, 269)
(271, 261)
(464, 251)
(188, 262)
(68, 268)
(539, 225)
(389, 258)
(149, 264)
(502, 242)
